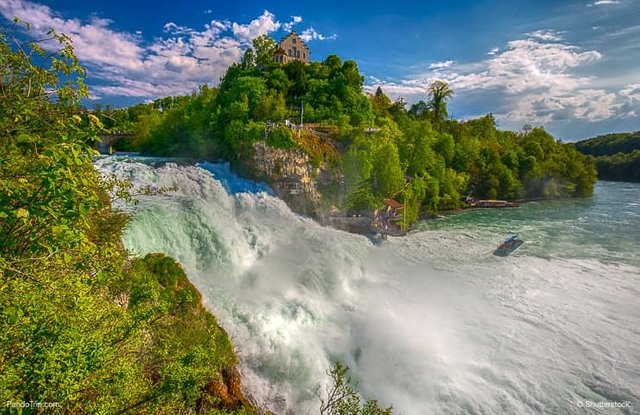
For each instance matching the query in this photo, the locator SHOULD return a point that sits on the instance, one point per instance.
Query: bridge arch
(107, 140)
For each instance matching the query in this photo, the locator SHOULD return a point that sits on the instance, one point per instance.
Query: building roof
(393, 203)
(293, 34)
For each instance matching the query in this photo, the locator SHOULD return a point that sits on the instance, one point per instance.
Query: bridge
(107, 139)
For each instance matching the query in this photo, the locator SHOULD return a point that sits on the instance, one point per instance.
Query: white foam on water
(431, 323)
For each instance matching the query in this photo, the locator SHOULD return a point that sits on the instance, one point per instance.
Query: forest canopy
(617, 155)
(387, 149)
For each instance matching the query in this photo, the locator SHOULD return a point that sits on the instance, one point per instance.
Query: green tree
(439, 92)
(341, 398)
(48, 188)
(381, 103)
(248, 59)
(265, 49)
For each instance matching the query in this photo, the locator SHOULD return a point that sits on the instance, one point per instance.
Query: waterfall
(428, 323)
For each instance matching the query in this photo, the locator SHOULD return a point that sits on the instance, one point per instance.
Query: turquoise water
(605, 227)
(432, 322)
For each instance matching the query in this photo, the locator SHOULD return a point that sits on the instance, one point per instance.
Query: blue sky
(571, 66)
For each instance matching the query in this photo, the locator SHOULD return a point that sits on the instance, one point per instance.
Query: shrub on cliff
(341, 398)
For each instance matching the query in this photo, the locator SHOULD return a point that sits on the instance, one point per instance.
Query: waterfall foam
(429, 323)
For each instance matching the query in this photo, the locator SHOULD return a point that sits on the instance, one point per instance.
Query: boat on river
(508, 246)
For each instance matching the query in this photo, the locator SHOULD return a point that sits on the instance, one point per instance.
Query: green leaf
(21, 213)
(57, 230)
(25, 138)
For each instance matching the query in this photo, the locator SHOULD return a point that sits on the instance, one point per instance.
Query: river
(432, 322)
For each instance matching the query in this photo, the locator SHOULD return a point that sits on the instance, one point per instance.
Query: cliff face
(291, 174)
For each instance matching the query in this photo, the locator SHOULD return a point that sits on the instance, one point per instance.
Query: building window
(290, 52)
(293, 40)
(298, 55)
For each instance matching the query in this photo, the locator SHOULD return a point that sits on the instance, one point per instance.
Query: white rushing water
(431, 323)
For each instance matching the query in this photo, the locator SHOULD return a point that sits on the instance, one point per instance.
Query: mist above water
(431, 323)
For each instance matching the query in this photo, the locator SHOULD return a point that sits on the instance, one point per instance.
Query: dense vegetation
(383, 148)
(610, 144)
(82, 326)
(617, 155)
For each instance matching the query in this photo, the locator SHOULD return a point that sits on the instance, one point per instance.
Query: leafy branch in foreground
(340, 397)
(82, 324)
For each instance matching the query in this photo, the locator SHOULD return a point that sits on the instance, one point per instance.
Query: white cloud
(625, 31)
(93, 41)
(175, 29)
(603, 3)
(123, 64)
(440, 65)
(288, 27)
(630, 100)
(527, 65)
(537, 79)
(631, 92)
(588, 104)
(546, 35)
(312, 34)
(264, 24)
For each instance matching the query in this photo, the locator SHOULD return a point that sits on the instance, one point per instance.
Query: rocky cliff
(292, 175)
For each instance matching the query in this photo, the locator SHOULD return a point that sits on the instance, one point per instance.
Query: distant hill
(610, 144)
(617, 155)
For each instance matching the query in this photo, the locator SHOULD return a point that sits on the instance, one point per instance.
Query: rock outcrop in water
(291, 174)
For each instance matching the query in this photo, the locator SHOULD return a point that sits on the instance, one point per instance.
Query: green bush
(281, 137)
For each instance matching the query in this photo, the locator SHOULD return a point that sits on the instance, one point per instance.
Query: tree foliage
(623, 167)
(617, 155)
(340, 396)
(416, 155)
(439, 92)
(81, 324)
(610, 144)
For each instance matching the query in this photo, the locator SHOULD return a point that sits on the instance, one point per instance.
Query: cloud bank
(537, 79)
(126, 65)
